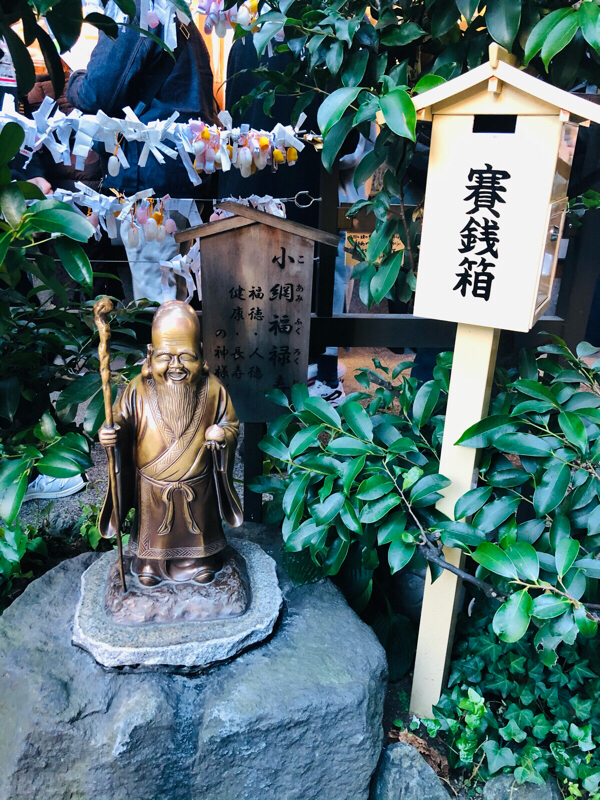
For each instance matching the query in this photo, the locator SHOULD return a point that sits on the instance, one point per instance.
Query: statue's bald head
(176, 352)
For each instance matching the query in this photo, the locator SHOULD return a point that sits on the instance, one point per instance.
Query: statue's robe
(181, 489)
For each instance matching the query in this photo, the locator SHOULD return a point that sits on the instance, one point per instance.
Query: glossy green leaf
(494, 559)
(12, 203)
(460, 534)
(295, 493)
(10, 397)
(587, 627)
(498, 757)
(332, 108)
(535, 42)
(494, 514)
(567, 551)
(428, 82)
(425, 402)
(377, 509)
(525, 559)
(559, 37)
(426, 486)
(523, 444)
(552, 489)
(334, 140)
(502, 18)
(399, 113)
(403, 34)
(358, 420)
(472, 501)
(350, 518)
(273, 447)
(350, 471)
(21, 58)
(348, 446)
(11, 139)
(444, 17)
(305, 438)
(512, 618)
(353, 73)
(329, 509)
(278, 397)
(57, 220)
(392, 529)
(386, 276)
(574, 430)
(375, 487)
(531, 530)
(323, 411)
(548, 606)
(483, 433)
(399, 554)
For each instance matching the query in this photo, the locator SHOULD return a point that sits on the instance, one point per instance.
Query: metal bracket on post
(468, 399)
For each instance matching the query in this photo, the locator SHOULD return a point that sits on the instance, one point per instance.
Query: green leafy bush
(505, 711)
(47, 346)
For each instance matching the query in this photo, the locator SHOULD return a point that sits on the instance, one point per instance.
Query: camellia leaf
(483, 433)
(559, 37)
(377, 509)
(332, 108)
(591, 567)
(24, 69)
(386, 276)
(574, 430)
(472, 501)
(460, 534)
(538, 36)
(348, 446)
(524, 557)
(375, 487)
(358, 420)
(523, 444)
(273, 447)
(403, 34)
(57, 220)
(587, 627)
(11, 139)
(392, 529)
(399, 554)
(494, 514)
(494, 559)
(548, 606)
(512, 618)
(425, 402)
(278, 397)
(327, 510)
(335, 138)
(357, 63)
(399, 113)
(467, 8)
(428, 82)
(13, 204)
(502, 18)
(552, 489)
(305, 438)
(323, 411)
(567, 551)
(294, 493)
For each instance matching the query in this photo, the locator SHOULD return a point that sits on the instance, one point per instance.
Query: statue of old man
(175, 434)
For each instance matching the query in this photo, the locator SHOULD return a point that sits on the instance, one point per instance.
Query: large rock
(297, 717)
(403, 774)
(504, 787)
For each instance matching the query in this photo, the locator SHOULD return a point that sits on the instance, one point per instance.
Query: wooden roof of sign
(246, 216)
(463, 94)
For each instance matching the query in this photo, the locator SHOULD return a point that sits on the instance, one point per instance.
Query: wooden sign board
(492, 219)
(256, 291)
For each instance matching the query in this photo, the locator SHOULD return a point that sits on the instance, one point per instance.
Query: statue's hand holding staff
(108, 436)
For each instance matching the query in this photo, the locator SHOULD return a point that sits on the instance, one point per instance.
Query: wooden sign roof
(250, 216)
(500, 67)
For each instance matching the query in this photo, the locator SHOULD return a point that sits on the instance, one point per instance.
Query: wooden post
(470, 386)
(253, 468)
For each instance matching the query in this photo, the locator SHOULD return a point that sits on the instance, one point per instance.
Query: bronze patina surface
(175, 436)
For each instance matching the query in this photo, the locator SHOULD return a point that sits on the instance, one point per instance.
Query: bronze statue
(175, 433)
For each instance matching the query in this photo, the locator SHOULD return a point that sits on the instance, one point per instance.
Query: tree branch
(432, 553)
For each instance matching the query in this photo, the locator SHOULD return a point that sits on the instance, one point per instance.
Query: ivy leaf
(567, 551)
(399, 113)
(498, 757)
(494, 559)
(552, 489)
(510, 624)
(502, 18)
(333, 107)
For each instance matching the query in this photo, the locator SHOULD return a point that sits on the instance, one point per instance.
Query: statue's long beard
(177, 404)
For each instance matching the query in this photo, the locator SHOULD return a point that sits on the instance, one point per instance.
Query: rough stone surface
(226, 595)
(189, 644)
(504, 787)
(296, 718)
(403, 774)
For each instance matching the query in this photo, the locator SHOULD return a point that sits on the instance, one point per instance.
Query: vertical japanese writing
(481, 234)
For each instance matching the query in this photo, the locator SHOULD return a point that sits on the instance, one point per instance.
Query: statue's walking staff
(102, 307)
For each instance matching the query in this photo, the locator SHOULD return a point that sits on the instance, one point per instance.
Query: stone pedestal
(295, 718)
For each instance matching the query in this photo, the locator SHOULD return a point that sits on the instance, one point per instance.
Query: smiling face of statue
(176, 363)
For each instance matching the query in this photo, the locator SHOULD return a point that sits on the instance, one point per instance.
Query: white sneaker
(333, 396)
(46, 488)
(312, 373)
